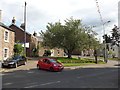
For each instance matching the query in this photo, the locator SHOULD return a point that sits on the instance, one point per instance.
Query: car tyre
(38, 67)
(15, 65)
(25, 63)
(2, 66)
(51, 69)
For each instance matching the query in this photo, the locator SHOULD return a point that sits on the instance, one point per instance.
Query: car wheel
(51, 69)
(38, 67)
(15, 65)
(25, 63)
(2, 66)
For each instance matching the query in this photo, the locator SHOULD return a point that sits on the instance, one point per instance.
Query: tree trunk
(119, 52)
(69, 54)
(96, 59)
(95, 54)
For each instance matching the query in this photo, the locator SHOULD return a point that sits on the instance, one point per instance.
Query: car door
(41, 63)
(21, 61)
(45, 64)
(48, 64)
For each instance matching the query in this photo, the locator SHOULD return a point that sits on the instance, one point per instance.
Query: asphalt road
(78, 78)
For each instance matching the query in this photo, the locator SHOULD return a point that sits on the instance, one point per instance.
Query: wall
(9, 44)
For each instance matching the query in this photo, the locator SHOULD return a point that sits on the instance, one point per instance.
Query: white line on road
(50, 83)
(31, 86)
(42, 84)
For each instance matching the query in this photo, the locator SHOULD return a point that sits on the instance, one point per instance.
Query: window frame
(7, 54)
(6, 36)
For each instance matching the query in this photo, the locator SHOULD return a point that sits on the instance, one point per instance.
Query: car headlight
(60, 65)
(55, 65)
(11, 63)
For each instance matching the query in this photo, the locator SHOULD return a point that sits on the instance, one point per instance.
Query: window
(6, 35)
(58, 51)
(45, 60)
(5, 53)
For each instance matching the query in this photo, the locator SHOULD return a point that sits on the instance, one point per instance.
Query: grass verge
(75, 61)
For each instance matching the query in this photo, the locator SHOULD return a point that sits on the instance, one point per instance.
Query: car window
(10, 58)
(16, 57)
(45, 60)
(53, 61)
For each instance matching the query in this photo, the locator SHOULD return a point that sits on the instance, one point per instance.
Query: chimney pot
(13, 20)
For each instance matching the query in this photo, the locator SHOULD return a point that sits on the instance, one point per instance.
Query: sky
(40, 12)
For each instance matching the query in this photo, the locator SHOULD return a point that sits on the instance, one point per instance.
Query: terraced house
(6, 42)
(31, 41)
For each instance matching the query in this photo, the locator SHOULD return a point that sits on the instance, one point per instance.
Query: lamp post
(105, 51)
(25, 29)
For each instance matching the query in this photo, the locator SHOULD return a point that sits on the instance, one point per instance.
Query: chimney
(0, 15)
(34, 34)
(23, 26)
(13, 20)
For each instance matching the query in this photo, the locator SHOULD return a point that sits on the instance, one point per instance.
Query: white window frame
(58, 52)
(7, 36)
(7, 53)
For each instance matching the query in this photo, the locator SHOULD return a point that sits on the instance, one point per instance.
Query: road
(77, 78)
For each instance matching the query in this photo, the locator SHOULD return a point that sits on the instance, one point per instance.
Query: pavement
(32, 65)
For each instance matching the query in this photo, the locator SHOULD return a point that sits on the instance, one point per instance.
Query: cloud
(40, 12)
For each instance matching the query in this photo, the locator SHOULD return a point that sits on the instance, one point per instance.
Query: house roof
(4, 26)
(19, 28)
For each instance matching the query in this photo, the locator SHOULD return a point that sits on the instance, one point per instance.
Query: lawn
(75, 61)
(116, 59)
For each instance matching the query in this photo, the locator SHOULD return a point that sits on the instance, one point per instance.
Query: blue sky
(40, 12)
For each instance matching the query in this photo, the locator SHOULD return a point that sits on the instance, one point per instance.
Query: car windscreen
(16, 57)
(53, 61)
(8, 59)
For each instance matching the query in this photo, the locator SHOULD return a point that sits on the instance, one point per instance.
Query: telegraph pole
(25, 28)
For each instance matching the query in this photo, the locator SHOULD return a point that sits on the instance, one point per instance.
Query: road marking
(42, 84)
(7, 83)
(31, 86)
(50, 83)
(30, 72)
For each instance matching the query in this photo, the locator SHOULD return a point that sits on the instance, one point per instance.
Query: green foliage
(47, 53)
(71, 36)
(18, 49)
(35, 50)
(24, 56)
(75, 61)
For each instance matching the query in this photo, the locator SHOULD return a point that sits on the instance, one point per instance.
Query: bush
(18, 49)
(47, 53)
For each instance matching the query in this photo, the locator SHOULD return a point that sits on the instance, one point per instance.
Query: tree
(47, 53)
(71, 36)
(116, 38)
(18, 49)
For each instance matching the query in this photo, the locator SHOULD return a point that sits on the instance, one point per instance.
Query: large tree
(71, 36)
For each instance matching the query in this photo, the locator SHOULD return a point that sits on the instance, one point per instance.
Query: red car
(49, 64)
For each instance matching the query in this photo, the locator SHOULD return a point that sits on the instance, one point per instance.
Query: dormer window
(6, 36)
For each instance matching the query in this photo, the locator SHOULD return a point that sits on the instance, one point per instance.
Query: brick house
(19, 37)
(6, 42)
(56, 52)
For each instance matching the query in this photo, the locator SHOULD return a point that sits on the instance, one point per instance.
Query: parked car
(50, 64)
(14, 61)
